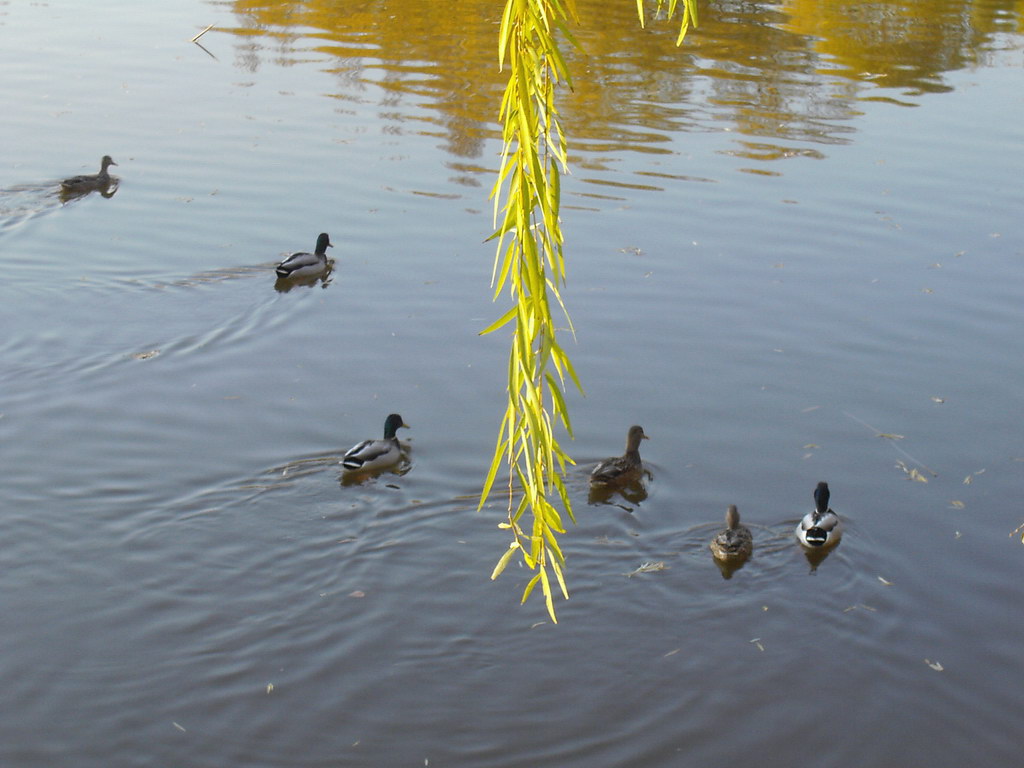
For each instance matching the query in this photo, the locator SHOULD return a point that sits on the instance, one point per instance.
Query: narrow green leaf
(501, 321)
(512, 549)
(530, 585)
(547, 594)
(561, 580)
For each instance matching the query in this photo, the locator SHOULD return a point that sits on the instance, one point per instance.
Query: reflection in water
(816, 557)
(728, 567)
(400, 469)
(285, 284)
(632, 493)
(789, 74)
(107, 190)
(899, 44)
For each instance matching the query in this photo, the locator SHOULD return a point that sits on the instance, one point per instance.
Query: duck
(820, 527)
(624, 468)
(376, 454)
(306, 264)
(735, 542)
(92, 181)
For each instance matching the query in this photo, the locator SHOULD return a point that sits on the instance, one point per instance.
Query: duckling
(307, 264)
(89, 182)
(624, 468)
(376, 454)
(820, 527)
(735, 542)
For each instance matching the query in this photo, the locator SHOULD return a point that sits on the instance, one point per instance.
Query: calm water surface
(799, 231)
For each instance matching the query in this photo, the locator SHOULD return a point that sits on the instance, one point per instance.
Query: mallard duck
(735, 542)
(376, 454)
(820, 527)
(624, 468)
(307, 264)
(88, 182)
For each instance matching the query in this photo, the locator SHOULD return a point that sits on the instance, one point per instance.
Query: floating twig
(892, 438)
(1017, 530)
(201, 34)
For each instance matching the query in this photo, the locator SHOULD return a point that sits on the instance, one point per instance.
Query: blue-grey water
(795, 254)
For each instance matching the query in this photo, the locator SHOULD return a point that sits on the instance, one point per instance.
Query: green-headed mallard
(735, 542)
(625, 468)
(307, 264)
(820, 527)
(88, 182)
(376, 454)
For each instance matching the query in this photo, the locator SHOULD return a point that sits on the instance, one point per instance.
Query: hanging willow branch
(530, 264)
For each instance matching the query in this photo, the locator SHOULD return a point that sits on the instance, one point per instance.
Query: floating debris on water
(911, 472)
(970, 478)
(647, 568)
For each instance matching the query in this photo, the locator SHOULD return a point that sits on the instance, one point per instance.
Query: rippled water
(795, 255)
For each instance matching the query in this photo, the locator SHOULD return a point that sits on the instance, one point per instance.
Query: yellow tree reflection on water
(793, 71)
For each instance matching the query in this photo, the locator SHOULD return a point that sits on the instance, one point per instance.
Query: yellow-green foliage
(530, 263)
